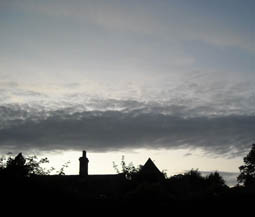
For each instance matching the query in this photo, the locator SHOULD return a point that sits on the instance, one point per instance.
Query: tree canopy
(247, 171)
(21, 166)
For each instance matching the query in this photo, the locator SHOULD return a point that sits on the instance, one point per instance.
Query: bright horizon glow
(170, 160)
(173, 162)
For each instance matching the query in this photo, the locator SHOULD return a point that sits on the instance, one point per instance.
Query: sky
(171, 80)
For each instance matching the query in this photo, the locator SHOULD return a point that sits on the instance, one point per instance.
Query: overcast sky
(123, 75)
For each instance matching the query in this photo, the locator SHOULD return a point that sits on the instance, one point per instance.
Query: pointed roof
(150, 168)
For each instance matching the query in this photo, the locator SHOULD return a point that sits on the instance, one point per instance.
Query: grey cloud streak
(227, 135)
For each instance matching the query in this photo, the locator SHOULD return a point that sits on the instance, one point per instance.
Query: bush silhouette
(23, 167)
(128, 170)
(247, 171)
(192, 184)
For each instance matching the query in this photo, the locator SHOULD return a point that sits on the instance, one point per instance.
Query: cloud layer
(114, 130)
(217, 117)
(127, 74)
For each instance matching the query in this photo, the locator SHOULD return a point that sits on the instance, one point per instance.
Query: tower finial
(84, 153)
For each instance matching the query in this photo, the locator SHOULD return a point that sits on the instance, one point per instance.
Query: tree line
(18, 177)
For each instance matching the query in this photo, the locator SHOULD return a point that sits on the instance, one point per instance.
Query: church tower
(84, 161)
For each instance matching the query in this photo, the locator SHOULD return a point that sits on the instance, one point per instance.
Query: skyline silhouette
(171, 80)
(144, 184)
(83, 170)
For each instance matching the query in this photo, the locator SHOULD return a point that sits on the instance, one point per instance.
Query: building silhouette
(149, 172)
(149, 169)
(89, 186)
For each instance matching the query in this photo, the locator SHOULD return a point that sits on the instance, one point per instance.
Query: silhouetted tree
(194, 180)
(129, 170)
(215, 179)
(35, 166)
(187, 185)
(61, 172)
(27, 167)
(23, 167)
(193, 185)
(16, 166)
(215, 184)
(247, 171)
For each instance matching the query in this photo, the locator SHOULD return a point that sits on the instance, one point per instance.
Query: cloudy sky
(169, 79)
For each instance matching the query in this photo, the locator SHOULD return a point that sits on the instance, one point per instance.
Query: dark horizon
(230, 178)
(146, 184)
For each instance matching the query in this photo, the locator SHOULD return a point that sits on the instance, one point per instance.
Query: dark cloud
(128, 129)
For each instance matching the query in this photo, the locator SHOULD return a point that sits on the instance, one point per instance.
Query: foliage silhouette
(247, 171)
(192, 185)
(27, 177)
(216, 180)
(128, 170)
(61, 171)
(21, 166)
